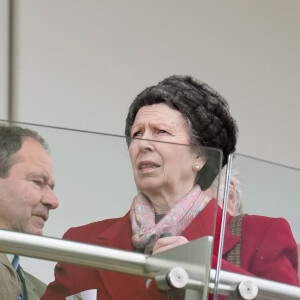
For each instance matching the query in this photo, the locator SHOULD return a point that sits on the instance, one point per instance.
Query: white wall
(79, 64)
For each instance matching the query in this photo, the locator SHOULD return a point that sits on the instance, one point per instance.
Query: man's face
(26, 194)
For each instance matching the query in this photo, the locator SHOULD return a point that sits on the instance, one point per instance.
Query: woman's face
(161, 167)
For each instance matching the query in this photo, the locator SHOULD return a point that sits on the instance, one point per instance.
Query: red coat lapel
(118, 285)
(229, 240)
(204, 224)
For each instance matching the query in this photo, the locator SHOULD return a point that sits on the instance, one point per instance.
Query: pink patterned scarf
(142, 216)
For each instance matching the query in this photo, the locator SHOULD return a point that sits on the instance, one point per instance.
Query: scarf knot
(142, 216)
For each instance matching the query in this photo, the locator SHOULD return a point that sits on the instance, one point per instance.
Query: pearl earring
(197, 167)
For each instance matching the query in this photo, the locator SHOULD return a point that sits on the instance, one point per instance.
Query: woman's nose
(145, 143)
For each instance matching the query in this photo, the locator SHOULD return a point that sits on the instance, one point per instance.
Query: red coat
(268, 250)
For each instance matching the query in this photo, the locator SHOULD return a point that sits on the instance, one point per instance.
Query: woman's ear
(198, 164)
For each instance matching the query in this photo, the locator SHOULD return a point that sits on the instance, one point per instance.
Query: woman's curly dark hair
(206, 111)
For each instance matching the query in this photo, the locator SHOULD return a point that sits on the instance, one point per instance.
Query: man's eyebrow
(45, 178)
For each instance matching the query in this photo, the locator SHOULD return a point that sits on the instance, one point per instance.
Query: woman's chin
(149, 186)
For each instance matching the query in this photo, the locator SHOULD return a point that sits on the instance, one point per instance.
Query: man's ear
(231, 198)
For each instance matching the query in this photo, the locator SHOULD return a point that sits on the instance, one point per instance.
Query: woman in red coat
(171, 179)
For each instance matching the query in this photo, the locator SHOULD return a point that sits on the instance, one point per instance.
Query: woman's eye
(162, 131)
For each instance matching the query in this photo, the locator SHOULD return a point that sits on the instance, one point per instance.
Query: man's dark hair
(206, 111)
(11, 138)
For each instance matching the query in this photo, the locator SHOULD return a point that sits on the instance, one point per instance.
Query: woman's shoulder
(84, 232)
(266, 226)
(268, 249)
(251, 220)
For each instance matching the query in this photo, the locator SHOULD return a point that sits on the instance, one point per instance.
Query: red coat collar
(118, 236)
(204, 225)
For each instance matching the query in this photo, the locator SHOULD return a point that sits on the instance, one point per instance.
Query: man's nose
(49, 198)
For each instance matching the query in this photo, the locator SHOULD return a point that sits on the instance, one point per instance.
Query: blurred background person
(172, 207)
(26, 197)
(234, 204)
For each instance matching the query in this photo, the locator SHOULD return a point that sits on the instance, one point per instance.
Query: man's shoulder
(4, 260)
(85, 232)
(35, 287)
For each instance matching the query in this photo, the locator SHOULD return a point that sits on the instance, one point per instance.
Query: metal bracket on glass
(187, 266)
(175, 278)
(248, 290)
